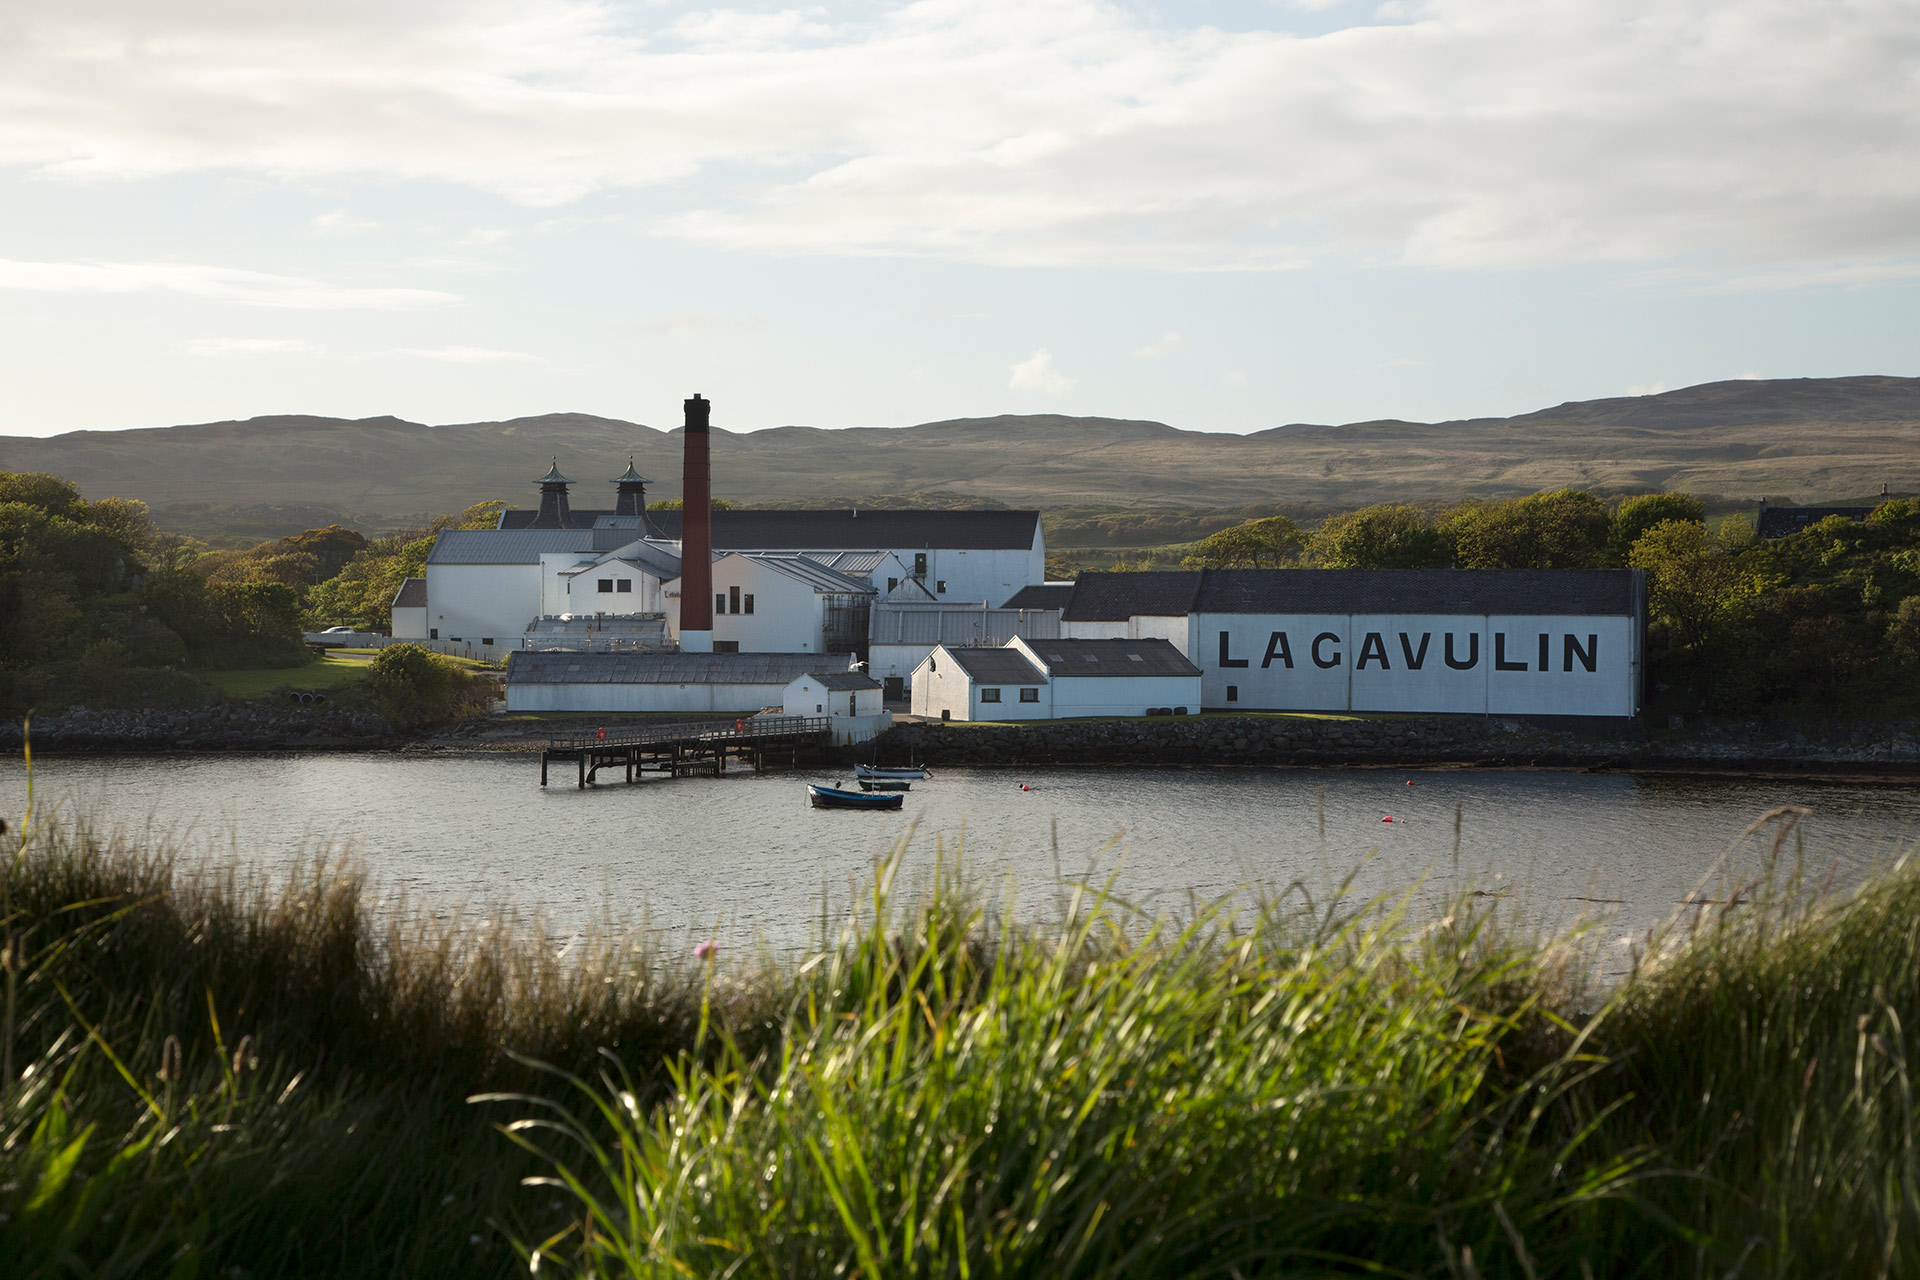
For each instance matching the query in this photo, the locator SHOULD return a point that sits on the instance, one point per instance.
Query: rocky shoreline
(1888, 748)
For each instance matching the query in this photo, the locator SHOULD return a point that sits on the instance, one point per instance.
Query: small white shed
(1055, 679)
(410, 610)
(833, 693)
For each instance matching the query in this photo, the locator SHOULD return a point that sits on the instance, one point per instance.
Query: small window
(433, 633)
(486, 640)
(940, 587)
(1029, 695)
(733, 594)
(920, 564)
(892, 583)
(625, 584)
(989, 695)
(1136, 657)
(1233, 693)
(748, 601)
(931, 664)
(606, 585)
(726, 646)
(817, 708)
(719, 602)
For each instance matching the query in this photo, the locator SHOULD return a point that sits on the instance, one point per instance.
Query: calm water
(744, 857)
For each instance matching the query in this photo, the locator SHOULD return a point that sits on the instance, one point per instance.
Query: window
(726, 646)
(940, 587)
(433, 633)
(931, 664)
(625, 584)
(989, 695)
(920, 564)
(719, 602)
(1029, 695)
(748, 601)
(1136, 657)
(606, 585)
(1233, 693)
(733, 593)
(892, 583)
(486, 639)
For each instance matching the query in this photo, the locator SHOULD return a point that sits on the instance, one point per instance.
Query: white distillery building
(738, 683)
(902, 633)
(1560, 642)
(780, 602)
(1055, 679)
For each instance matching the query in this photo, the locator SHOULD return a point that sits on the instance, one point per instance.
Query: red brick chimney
(696, 534)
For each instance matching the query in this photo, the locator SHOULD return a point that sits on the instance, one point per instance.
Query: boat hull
(834, 798)
(869, 771)
(885, 784)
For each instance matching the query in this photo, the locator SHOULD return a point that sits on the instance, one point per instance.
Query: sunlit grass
(324, 674)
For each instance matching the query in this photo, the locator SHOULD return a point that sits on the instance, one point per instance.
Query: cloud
(341, 223)
(218, 284)
(683, 324)
(1036, 373)
(1649, 388)
(1453, 133)
(471, 355)
(1166, 346)
(252, 347)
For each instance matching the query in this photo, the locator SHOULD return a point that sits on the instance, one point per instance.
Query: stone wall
(249, 726)
(1471, 740)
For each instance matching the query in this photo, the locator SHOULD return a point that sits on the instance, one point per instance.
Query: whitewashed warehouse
(1055, 679)
(640, 682)
(1502, 642)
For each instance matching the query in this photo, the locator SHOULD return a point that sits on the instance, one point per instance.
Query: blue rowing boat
(835, 798)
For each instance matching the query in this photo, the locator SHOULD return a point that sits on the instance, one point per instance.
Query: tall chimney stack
(696, 534)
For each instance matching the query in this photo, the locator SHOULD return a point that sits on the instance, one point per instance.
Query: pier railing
(747, 728)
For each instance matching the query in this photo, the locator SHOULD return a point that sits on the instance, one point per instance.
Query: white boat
(873, 771)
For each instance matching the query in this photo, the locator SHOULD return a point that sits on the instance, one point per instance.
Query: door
(896, 689)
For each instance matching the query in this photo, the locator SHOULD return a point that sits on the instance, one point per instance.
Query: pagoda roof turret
(630, 476)
(553, 476)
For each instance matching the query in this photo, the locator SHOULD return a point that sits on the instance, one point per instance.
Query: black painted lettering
(1226, 660)
(1277, 648)
(1372, 649)
(1318, 661)
(1473, 652)
(1546, 654)
(1416, 659)
(1500, 662)
(1589, 656)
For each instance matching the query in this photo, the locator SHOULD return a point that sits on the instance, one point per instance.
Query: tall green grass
(214, 1074)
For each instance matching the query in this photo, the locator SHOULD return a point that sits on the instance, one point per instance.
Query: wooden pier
(702, 747)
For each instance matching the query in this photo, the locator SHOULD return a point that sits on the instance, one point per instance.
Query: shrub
(414, 686)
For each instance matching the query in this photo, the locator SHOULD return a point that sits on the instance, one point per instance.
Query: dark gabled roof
(845, 681)
(412, 594)
(862, 529)
(1107, 658)
(1522, 592)
(994, 666)
(1046, 595)
(577, 518)
(1778, 522)
(491, 546)
(1115, 597)
(532, 666)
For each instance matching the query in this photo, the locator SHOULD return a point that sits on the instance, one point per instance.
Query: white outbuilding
(410, 610)
(1056, 679)
(745, 683)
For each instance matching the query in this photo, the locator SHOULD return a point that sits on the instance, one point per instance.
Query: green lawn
(330, 672)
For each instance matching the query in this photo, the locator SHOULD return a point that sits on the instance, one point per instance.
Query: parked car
(340, 631)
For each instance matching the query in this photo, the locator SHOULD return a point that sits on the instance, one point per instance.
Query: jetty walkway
(700, 747)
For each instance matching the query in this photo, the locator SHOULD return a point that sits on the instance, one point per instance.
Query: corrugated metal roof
(811, 572)
(536, 667)
(995, 666)
(412, 594)
(655, 559)
(1522, 592)
(1046, 595)
(492, 546)
(859, 564)
(1065, 658)
(931, 624)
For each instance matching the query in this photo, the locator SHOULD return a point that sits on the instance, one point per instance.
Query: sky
(1222, 214)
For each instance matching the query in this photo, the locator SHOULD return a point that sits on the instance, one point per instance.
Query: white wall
(1400, 662)
(788, 616)
(580, 593)
(473, 602)
(1096, 630)
(411, 624)
(974, 575)
(739, 698)
(1122, 695)
(806, 696)
(939, 684)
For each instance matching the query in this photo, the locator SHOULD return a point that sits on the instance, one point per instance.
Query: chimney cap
(553, 476)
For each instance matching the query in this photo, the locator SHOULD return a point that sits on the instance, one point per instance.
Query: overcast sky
(1222, 214)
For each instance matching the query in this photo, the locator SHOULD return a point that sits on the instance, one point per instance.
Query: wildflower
(706, 949)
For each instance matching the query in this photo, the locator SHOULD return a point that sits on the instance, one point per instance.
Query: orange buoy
(1388, 818)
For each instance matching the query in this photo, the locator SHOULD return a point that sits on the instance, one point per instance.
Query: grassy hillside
(1826, 439)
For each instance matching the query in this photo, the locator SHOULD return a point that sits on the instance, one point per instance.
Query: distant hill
(1809, 439)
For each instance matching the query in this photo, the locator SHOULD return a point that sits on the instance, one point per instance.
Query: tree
(1637, 515)
(674, 504)
(50, 494)
(1560, 529)
(1388, 535)
(1690, 579)
(1257, 544)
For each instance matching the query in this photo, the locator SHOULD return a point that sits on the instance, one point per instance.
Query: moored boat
(834, 798)
(885, 784)
(907, 771)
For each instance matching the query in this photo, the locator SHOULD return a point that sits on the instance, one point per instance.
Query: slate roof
(1519, 592)
(863, 528)
(533, 666)
(1778, 522)
(846, 681)
(660, 561)
(1047, 595)
(994, 666)
(412, 594)
(1115, 597)
(1067, 658)
(577, 517)
(813, 573)
(491, 546)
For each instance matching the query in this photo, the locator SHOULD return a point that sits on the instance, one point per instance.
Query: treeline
(1825, 621)
(98, 606)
